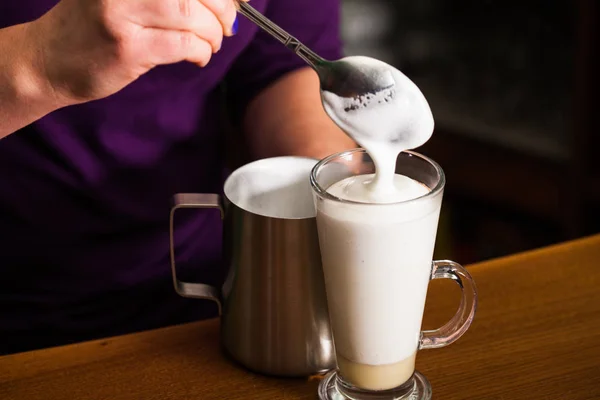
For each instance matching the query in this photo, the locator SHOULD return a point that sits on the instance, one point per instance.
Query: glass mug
(377, 264)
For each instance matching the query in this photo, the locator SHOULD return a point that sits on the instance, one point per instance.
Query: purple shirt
(85, 192)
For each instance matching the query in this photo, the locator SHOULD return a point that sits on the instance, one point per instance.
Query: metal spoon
(343, 78)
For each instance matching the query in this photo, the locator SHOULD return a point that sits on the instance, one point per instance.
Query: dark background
(513, 87)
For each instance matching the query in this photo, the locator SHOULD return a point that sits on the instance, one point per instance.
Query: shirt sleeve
(316, 23)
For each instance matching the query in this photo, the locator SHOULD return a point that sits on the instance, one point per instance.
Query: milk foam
(384, 124)
(377, 264)
(275, 187)
(358, 188)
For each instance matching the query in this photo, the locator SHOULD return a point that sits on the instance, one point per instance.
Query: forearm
(287, 118)
(25, 95)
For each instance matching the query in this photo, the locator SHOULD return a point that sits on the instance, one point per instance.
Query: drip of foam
(384, 123)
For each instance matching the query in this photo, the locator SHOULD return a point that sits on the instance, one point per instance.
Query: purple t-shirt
(85, 192)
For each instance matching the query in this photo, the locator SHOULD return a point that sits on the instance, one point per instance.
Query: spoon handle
(311, 58)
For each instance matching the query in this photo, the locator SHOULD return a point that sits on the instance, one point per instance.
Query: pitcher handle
(463, 318)
(188, 289)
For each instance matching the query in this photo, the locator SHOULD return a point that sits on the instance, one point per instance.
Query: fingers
(225, 11)
(175, 30)
(183, 15)
(170, 46)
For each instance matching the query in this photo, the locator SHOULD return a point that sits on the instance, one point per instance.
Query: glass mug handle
(188, 289)
(463, 318)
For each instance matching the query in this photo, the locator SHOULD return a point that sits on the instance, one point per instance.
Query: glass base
(332, 387)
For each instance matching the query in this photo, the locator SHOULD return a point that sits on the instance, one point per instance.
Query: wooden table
(536, 336)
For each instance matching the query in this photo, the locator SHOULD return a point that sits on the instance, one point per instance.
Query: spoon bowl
(347, 78)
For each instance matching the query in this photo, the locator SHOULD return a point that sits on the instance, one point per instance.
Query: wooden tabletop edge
(534, 253)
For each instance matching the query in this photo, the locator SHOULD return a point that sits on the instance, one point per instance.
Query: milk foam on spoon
(384, 124)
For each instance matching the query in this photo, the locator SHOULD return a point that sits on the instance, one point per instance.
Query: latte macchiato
(377, 265)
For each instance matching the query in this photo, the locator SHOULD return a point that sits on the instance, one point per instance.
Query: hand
(89, 49)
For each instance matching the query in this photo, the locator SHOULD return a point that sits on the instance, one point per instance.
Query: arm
(287, 118)
(25, 95)
(86, 50)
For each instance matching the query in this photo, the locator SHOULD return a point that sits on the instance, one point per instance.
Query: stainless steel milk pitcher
(273, 307)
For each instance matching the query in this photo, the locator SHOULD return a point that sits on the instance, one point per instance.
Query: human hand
(89, 49)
